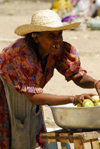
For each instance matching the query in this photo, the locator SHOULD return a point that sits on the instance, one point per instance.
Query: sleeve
(69, 63)
(33, 90)
(18, 68)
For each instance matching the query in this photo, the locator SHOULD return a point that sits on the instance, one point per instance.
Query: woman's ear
(35, 36)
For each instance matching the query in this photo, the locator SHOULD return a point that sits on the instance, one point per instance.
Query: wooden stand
(81, 140)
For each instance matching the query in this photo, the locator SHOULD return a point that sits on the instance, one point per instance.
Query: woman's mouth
(56, 46)
(55, 49)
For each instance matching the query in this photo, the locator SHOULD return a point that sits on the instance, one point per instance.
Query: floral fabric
(4, 120)
(21, 68)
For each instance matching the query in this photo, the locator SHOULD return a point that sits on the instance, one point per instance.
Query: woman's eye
(51, 35)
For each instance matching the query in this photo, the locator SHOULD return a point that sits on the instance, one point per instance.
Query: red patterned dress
(21, 68)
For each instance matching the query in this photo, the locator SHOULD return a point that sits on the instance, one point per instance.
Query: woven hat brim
(29, 28)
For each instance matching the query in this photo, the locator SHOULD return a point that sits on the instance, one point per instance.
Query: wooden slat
(78, 144)
(87, 135)
(64, 137)
(48, 134)
(87, 145)
(95, 144)
(81, 140)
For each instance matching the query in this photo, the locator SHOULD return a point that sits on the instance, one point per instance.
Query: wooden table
(85, 139)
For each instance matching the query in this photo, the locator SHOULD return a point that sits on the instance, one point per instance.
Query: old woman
(26, 65)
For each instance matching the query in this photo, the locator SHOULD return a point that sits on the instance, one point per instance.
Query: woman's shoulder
(16, 46)
(67, 45)
(69, 48)
(18, 43)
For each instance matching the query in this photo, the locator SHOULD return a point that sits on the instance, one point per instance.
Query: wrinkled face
(50, 42)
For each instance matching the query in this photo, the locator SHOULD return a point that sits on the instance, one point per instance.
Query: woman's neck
(42, 53)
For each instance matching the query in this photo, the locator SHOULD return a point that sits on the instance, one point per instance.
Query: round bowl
(76, 117)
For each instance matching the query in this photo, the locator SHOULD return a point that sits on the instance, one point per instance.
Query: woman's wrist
(96, 82)
(72, 99)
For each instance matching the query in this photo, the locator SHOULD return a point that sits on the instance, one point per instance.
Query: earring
(34, 35)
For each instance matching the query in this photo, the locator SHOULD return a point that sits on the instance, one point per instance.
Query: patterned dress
(21, 68)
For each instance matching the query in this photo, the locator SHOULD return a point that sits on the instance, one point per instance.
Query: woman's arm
(49, 99)
(85, 81)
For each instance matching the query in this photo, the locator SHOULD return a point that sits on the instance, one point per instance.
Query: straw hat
(44, 20)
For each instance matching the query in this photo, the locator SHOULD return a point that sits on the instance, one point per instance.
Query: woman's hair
(33, 46)
(31, 42)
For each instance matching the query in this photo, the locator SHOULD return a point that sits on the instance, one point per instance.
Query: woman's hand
(80, 98)
(97, 86)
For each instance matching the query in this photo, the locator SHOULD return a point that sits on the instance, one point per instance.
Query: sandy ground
(87, 43)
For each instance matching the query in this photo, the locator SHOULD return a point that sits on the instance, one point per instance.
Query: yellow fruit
(97, 104)
(88, 103)
(79, 105)
(96, 98)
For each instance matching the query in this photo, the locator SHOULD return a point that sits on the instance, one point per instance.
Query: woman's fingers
(78, 99)
(89, 96)
(82, 97)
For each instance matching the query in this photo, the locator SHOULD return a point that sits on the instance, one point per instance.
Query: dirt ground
(87, 42)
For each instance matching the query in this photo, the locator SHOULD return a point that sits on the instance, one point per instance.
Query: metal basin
(76, 117)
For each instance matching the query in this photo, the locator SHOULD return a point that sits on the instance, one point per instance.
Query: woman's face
(50, 42)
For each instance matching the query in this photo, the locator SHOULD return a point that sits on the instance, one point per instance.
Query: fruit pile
(90, 103)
